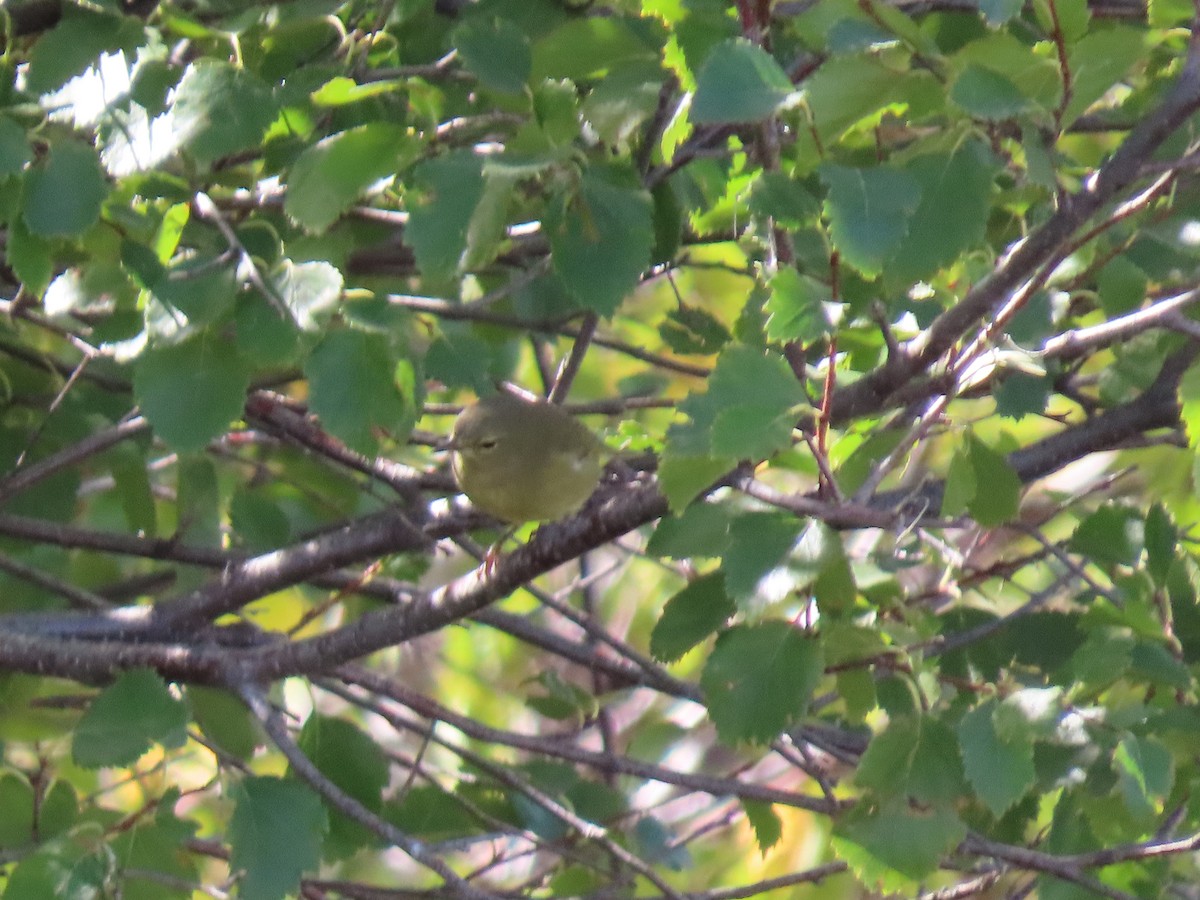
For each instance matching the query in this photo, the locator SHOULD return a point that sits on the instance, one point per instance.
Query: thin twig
(276, 728)
(93, 445)
(569, 367)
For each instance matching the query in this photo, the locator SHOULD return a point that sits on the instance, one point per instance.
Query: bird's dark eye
(489, 444)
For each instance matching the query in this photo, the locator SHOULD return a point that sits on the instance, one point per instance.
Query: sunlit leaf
(330, 175)
(220, 109)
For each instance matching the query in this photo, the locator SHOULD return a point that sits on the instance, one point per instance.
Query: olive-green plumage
(524, 462)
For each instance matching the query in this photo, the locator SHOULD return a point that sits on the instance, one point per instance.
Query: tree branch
(272, 722)
(1123, 168)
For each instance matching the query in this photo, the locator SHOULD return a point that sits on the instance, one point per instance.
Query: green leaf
(459, 358)
(220, 109)
(62, 197)
(752, 431)
(689, 617)
(262, 333)
(331, 174)
(852, 34)
(998, 12)
(856, 687)
(619, 104)
(981, 481)
(1097, 61)
(426, 811)
(760, 544)
(1035, 77)
(739, 82)
(197, 289)
(15, 149)
(198, 499)
(901, 25)
(309, 290)
(1045, 640)
(894, 847)
(783, 200)
(62, 872)
(353, 389)
(58, 810)
(153, 845)
(869, 212)
(1161, 538)
(955, 192)
(1145, 774)
(1070, 831)
(854, 471)
(30, 257)
(191, 392)
(1000, 770)
(561, 700)
(692, 330)
(224, 720)
(702, 529)
(275, 836)
(78, 39)
(1019, 395)
(600, 238)
(659, 845)
(682, 476)
(843, 642)
(437, 227)
(987, 94)
(1032, 322)
(915, 757)
(1073, 18)
(1103, 657)
(292, 42)
(1122, 286)
(797, 308)
(821, 558)
(497, 52)
(128, 716)
(1169, 13)
(257, 521)
(1154, 663)
(1112, 535)
(16, 799)
(668, 223)
(849, 89)
(556, 110)
(587, 47)
(725, 423)
(342, 91)
(768, 828)
(1030, 714)
(353, 761)
(759, 680)
(143, 264)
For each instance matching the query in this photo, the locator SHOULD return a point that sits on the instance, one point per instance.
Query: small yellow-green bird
(524, 462)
